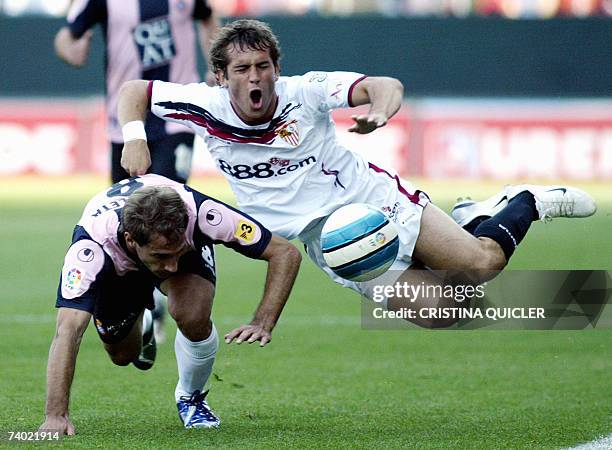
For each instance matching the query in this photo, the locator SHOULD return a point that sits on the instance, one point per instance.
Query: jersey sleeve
(84, 14)
(325, 91)
(232, 228)
(84, 268)
(176, 102)
(201, 10)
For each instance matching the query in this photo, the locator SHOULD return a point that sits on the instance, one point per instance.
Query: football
(359, 242)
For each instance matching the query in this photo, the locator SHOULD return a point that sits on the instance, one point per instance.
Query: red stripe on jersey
(266, 138)
(149, 94)
(414, 198)
(350, 92)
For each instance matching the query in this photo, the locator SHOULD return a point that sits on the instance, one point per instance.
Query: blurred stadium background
(497, 91)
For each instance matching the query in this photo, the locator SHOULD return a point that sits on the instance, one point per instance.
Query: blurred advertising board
(436, 138)
(570, 139)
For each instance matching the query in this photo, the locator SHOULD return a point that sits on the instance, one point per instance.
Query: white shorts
(403, 205)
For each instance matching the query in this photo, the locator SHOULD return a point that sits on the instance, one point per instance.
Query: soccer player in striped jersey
(148, 39)
(274, 140)
(148, 232)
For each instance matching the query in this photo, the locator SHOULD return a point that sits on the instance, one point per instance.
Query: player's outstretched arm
(71, 50)
(283, 263)
(385, 96)
(71, 324)
(132, 112)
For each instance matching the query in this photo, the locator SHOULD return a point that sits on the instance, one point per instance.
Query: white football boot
(466, 210)
(550, 202)
(556, 201)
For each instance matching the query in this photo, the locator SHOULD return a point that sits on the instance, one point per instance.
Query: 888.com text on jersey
(272, 168)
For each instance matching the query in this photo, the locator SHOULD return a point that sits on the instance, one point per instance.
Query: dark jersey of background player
(145, 39)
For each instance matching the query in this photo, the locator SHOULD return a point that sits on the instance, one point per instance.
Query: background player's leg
(118, 173)
(172, 156)
(159, 316)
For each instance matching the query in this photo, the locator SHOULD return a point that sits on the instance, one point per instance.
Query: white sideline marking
(329, 320)
(603, 443)
(27, 318)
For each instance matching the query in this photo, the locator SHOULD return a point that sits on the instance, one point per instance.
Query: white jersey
(290, 171)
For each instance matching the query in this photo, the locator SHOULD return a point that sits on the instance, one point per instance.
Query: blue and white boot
(194, 412)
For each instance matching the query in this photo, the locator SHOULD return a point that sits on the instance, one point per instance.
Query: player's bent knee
(491, 256)
(195, 330)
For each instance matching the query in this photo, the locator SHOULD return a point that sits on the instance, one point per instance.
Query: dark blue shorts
(123, 299)
(170, 157)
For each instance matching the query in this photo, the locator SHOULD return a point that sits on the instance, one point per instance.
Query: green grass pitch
(323, 382)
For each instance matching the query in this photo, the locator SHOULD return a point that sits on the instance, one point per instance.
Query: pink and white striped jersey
(98, 250)
(145, 39)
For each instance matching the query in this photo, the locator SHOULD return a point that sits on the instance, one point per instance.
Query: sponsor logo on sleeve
(318, 77)
(213, 217)
(245, 231)
(73, 279)
(85, 255)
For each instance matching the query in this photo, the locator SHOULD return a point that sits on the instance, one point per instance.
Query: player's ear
(276, 72)
(129, 241)
(221, 76)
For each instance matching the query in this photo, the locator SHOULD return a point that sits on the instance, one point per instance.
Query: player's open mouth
(256, 97)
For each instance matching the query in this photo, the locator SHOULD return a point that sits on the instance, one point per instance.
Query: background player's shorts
(170, 157)
(403, 205)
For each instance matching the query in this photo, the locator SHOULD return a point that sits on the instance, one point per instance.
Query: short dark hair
(244, 34)
(155, 210)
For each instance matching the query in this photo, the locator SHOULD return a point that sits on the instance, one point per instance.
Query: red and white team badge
(289, 132)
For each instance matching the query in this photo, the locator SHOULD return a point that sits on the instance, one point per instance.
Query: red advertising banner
(52, 137)
(433, 138)
(513, 139)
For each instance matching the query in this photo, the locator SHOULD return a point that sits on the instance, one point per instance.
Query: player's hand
(366, 123)
(61, 424)
(249, 333)
(76, 51)
(136, 157)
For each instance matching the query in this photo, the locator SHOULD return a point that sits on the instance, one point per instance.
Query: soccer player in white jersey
(148, 232)
(274, 140)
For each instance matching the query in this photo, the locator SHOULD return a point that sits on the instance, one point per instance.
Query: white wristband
(134, 130)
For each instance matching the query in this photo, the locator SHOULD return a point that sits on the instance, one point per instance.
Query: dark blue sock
(471, 227)
(509, 226)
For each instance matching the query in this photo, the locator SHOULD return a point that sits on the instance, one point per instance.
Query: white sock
(195, 361)
(147, 319)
